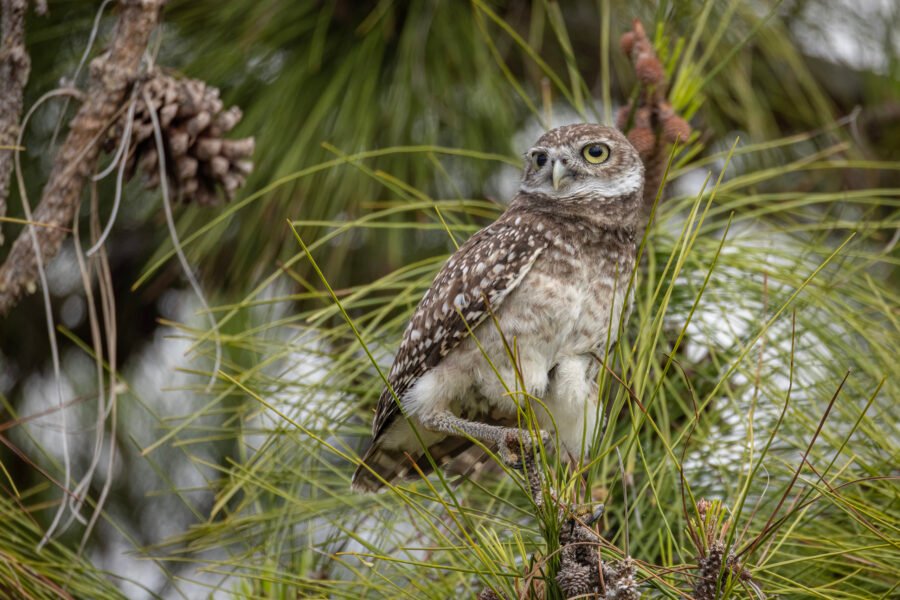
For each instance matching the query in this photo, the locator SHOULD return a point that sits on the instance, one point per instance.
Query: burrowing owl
(522, 310)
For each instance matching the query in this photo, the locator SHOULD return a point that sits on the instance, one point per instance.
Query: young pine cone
(576, 580)
(200, 161)
(653, 123)
(579, 573)
(621, 582)
(488, 594)
(643, 140)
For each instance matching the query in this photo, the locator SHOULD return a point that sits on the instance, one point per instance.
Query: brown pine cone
(649, 70)
(621, 583)
(201, 164)
(576, 580)
(626, 42)
(643, 140)
(676, 128)
(488, 594)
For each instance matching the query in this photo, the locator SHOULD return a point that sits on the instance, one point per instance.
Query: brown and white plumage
(553, 271)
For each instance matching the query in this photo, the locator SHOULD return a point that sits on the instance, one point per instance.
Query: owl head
(584, 164)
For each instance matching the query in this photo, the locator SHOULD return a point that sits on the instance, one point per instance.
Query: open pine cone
(200, 161)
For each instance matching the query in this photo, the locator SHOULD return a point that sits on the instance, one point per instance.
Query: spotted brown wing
(479, 275)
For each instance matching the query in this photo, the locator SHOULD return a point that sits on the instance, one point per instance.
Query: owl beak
(559, 172)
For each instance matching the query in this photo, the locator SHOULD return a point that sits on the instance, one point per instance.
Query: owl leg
(511, 442)
(572, 400)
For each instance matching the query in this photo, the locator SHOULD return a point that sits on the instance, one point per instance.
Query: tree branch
(112, 74)
(15, 66)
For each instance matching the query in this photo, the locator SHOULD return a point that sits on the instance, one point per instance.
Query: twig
(176, 243)
(48, 312)
(15, 66)
(111, 77)
(120, 158)
(108, 306)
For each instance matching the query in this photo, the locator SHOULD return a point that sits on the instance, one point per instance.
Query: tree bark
(112, 74)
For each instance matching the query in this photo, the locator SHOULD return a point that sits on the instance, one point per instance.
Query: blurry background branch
(14, 68)
(111, 76)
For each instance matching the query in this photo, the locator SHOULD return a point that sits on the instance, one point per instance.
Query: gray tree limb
(112, 74)
(15, 66)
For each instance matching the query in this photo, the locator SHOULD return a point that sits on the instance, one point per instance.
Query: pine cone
(649, 70)
(655, 123)
(643, 117)
(626, 42)
(576, 580)
(621, 583)
(676, 129)
(200, 161)
(643, 140)
(488, 594)
(672, 125)
(710, 566)
(578, 573)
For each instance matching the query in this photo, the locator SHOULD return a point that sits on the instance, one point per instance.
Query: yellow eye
(596, 153)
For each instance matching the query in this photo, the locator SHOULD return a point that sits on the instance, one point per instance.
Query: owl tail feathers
(393, 464)
(379, 466)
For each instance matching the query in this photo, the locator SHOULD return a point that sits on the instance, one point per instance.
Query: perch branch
(111, 77)
(15, 66)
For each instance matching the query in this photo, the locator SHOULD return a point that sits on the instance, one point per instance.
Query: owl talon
(525, 462)
(516, 445)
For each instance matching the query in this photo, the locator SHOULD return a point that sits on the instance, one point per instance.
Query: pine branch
(15, 66)
(112, 74)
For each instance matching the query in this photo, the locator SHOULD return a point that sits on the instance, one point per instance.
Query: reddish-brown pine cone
(643, 140)
(640, 44)
(675, 129)
(649, 70)
(642, 117)
(638, 28)
(626, 42)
